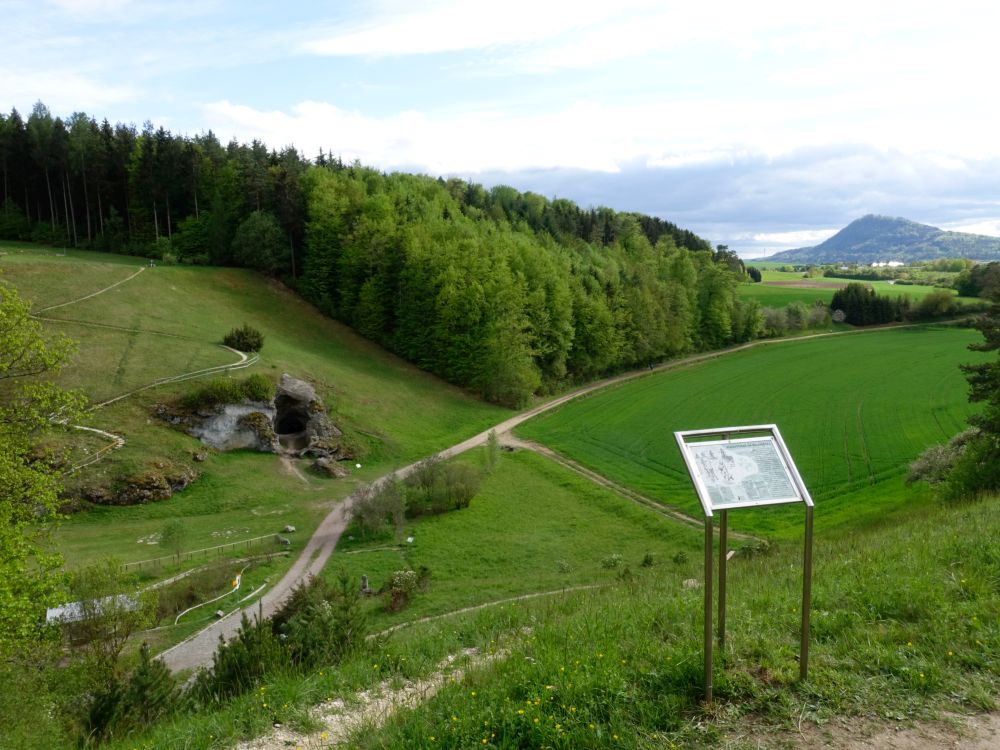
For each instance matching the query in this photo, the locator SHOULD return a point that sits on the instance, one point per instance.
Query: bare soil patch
(808, 284)
(977, 732)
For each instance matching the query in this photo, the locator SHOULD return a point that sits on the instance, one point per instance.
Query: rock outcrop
(236, 426)
(295, 422)
(302, 424)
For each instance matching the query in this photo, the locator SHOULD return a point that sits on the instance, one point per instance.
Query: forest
(507, 293)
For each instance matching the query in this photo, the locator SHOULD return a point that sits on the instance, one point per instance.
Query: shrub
(256, 387)
(151, 691)
(976, 471)
(239, 665)
(436, 487)
(934, 464)
(937, 304)
(321, 622)
(376, 505)
(244, 339)
(402, 584)
(612, 561)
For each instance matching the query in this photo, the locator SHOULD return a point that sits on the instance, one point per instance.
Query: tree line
(505, 292)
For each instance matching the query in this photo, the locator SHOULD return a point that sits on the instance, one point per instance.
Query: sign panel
(741, 472)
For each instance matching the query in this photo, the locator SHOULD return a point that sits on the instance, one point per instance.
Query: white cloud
(63, 91)
(597, 136)
(800, 238)
(456, 26)
(576, 137)
(989, 227)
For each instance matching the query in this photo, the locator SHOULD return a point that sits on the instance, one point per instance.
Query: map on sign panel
(743, 472)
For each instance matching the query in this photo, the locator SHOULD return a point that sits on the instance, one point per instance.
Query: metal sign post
(743, 467)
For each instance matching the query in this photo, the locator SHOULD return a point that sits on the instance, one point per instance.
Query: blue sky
(762, 125)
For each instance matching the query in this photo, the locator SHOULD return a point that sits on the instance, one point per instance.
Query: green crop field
(770, 295)
(854, 410)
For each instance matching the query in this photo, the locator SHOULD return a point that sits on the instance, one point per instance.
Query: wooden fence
(203, 553)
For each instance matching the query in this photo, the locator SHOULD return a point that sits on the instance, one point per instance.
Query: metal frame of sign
(739, 436)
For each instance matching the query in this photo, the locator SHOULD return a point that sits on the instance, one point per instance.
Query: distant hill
(882, 238)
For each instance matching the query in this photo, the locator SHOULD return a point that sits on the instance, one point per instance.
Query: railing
(157, 562)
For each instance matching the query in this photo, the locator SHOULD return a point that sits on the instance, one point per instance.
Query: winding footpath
(118, 441)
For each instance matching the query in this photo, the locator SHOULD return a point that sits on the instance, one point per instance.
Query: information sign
(743, 467)
(742, 473)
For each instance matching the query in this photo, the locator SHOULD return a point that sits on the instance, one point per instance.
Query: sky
(763, 126)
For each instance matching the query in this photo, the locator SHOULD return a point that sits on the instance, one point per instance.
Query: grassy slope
(396, 411)
(854, 411)
(900, 630)
(532, 527)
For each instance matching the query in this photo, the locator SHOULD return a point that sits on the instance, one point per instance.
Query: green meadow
(170, 320)
(901, 629)
(854, 409)
(532, 527)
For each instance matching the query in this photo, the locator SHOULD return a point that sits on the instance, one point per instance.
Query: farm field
(854, 409)
(779, 288)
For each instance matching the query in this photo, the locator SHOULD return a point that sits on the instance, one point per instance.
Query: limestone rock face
(329, 467)
(294, 389)
(300, 419)
(234, 426)
(295, 423)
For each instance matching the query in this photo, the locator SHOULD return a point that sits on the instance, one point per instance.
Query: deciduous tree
(29, 482)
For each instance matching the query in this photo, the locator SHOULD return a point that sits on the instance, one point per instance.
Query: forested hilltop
(505, 292)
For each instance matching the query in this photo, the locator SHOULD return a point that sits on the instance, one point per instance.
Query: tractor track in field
(94, 294)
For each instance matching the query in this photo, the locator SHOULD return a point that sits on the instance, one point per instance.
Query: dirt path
(976, 732)
(484, 605)
(289, 466)
(118, 441)
(370, 708)
(94, 294)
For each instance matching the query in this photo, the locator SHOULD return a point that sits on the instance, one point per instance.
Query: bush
(937, 304)
(402, 584)
(436, 487)
(256, 387)
(976, 471)
(376, 505)
(613, 561)
(239, 665)
(935, 463)
(321, 622)
(244, 339)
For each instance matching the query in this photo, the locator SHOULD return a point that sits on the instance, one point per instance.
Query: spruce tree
(978, 469)
(151, 692)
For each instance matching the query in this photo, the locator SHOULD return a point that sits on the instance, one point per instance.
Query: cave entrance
(290, 424)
